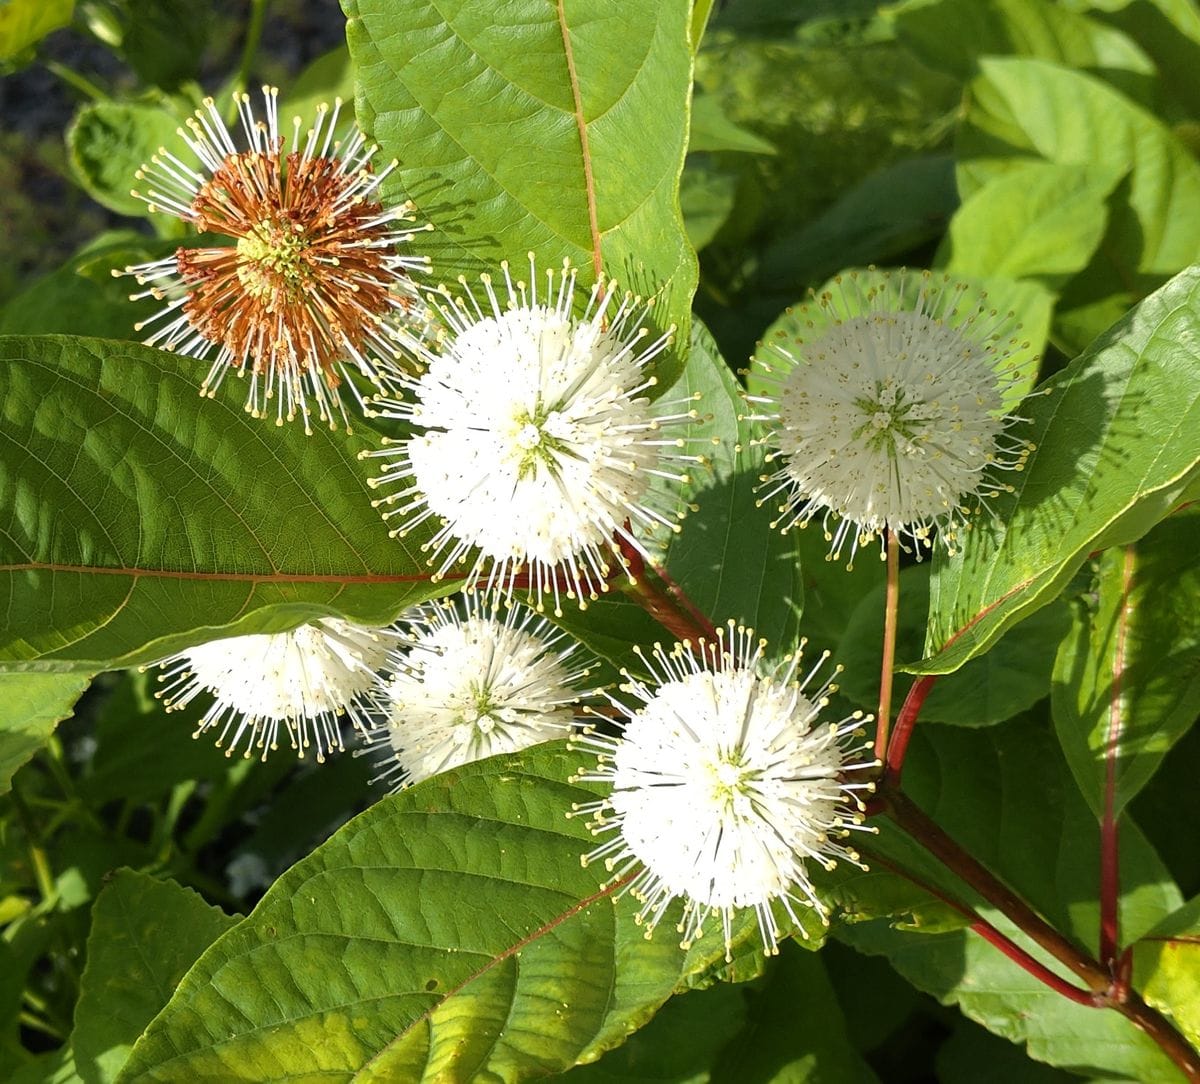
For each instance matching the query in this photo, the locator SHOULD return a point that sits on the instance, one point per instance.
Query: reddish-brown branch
(699, 619)
(1106, 989)
(1110, 862)
(994, 937)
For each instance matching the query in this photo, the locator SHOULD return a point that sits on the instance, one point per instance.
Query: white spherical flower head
(305, 680)
(725, 784)
(889, 414)
(480, 678)
(309, 284)
(535, 441)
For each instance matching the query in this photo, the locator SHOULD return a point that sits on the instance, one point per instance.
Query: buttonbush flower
(310, 285)
(726, 783)
(475, 683)
(304, 681)
(889, 413)
(534, 441)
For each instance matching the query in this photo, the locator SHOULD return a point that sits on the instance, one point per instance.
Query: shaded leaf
(146, 933)
(1009, 679)
(712, 130)
(952, 35)
(1151, 638)
(1118, 439)
(796, 1032)
(31, 706)
(142, 518)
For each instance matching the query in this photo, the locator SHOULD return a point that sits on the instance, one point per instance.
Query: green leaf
(146, 933)
(1140, 649)
(887, 214)
(31, 706)
(164, 40)
(952, 35)
(25, 22)
(1012, 677)
(1039, 220)
(84, 293)
(1006, 795)
(143, 519)
(712, 130)
(110, 141)
(1021, 108)
(706, 196)
(1118, 438)
(678, 1046)
(974, 1056)
(496, 157)
(448, 931)
(1166, 968)
(329, 77)
(1169, 31)
(797, 1032)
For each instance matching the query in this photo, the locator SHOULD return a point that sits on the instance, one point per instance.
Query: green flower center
(271, 257)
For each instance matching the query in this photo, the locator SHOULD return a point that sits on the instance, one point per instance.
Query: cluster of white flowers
(531, 444)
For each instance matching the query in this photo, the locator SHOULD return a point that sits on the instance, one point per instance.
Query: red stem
(709, 632)
(1110, 863)
(993, 936)
(905, 721)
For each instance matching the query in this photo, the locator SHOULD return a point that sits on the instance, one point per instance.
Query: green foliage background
(167, 914)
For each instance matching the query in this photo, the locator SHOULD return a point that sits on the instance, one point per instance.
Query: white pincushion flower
(725, 784)
(310, 284)
(889, 412)
(534, 441)
(305, 680)
(475, 683)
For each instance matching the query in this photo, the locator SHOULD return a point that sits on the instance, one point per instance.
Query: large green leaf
(952, 35)
(1021, 108)
(1006, 795)
(140, 518)
(1118, 440)
(1128, 678)
(562, 131)
(448, 933)
(1039, 220)
(145, 934)
(31, 706)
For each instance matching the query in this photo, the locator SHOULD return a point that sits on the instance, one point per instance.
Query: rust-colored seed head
(312, 282)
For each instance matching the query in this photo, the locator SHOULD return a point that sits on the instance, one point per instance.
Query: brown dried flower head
(315, 283)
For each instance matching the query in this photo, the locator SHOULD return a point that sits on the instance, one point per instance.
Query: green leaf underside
(1118, 440)
(1005, 794)
(495, 159)
(1157, 642)
(145, 934)
(142, 518)
(448, 933)
(31, 705)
